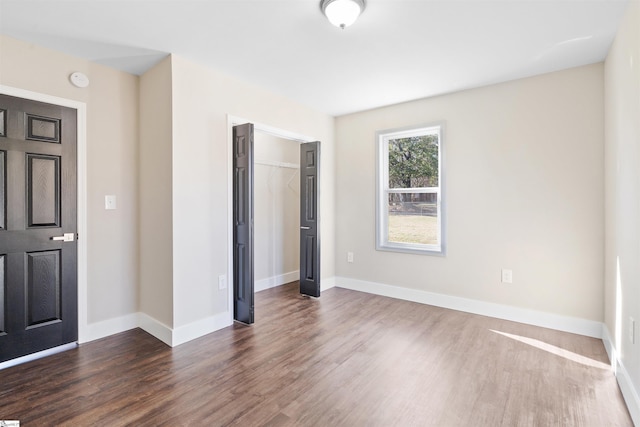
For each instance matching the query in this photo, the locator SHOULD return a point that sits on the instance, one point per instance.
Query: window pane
(413, 218)
(413, 162)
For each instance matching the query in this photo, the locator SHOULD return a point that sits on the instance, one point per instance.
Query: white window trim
(382, 190)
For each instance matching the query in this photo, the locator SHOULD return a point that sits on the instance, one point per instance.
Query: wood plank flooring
(346, 359)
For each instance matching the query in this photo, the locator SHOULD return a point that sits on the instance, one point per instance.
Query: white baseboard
(169, 336)
(574, 325)
(327, 283)
(105, 328)
(629, 391)
(608, 346)
(155, 328)
(272, 282)
(191, 331)
(199, 328)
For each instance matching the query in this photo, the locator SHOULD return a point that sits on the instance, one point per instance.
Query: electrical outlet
(632, 330)
(507, 276)
(222, 281)
(110, 202)
(349, 256)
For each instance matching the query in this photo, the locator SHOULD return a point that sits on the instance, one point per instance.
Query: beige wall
(202, 99)
(155, 232)
(112, 133)
(276, 206)
(622, 166)
(524, 185)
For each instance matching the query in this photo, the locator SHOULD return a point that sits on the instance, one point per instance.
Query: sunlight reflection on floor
(556, 350)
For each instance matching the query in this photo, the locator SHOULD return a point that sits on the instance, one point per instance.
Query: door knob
(67, 237)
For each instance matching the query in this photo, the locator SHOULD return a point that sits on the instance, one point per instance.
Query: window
(410, 197)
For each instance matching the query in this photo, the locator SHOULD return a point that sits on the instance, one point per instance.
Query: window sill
(433, 250)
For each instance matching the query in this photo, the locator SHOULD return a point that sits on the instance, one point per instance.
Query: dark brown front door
(38, 252)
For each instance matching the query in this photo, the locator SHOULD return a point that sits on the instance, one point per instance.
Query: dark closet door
(309, 219)
(243, 223)
(38, 264)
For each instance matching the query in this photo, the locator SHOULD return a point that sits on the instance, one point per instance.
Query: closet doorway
(274, 218)
(276, 196)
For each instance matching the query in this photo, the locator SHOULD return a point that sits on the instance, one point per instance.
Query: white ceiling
(398, 50)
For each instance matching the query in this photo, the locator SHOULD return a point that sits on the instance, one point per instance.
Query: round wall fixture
(79, 79)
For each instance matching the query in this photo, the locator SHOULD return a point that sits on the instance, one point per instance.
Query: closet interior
(276, 210)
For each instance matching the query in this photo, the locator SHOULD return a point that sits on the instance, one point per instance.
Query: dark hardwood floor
(347, 359)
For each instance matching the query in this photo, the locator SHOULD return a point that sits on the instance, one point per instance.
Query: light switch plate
(110, 202)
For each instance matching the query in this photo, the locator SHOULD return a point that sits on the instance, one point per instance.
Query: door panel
(43, 190)
(309, 219)
(243, 310)
(3, 292)
(309, 256)
(38, 275)
(43, 129)
(3, 122)
(43, 287)
(3, 192)
(310, 198)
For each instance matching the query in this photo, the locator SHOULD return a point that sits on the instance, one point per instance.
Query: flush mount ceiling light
(342, 13)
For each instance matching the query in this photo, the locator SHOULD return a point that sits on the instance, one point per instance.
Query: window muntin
(409, 193)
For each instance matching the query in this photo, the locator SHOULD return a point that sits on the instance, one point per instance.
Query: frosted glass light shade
(342, 13)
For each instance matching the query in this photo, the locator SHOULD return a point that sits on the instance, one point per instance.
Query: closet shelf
(277, 164)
